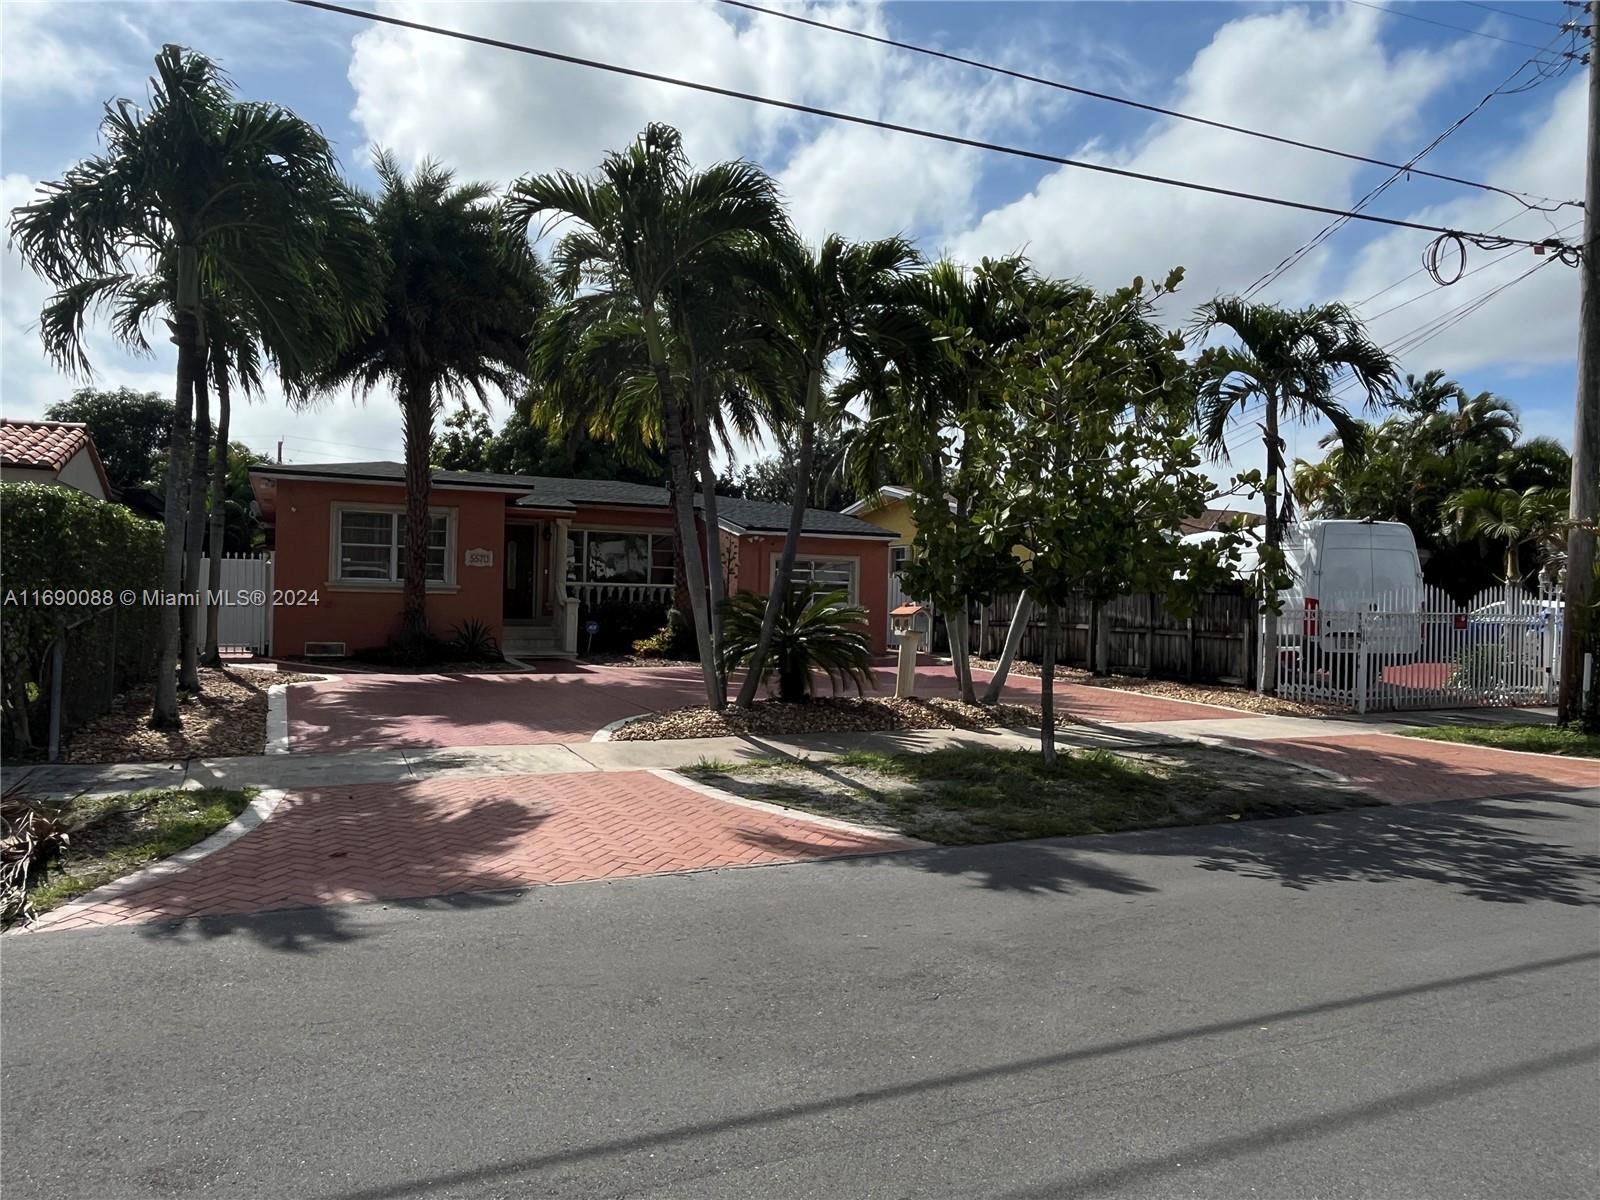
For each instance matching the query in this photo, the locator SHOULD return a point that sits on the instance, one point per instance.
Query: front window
(823, 575)
(371, 546)
(602, 556)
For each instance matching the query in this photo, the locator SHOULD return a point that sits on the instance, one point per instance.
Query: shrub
(408, 652)
(472, 642)
(622, 622)
(1480, 667)
(816, 631)
(675, 639)
(60, 540)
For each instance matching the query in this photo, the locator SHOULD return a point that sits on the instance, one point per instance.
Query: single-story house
(56, 452)
(526, 555)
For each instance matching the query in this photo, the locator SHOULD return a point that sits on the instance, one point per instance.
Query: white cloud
(74, 50)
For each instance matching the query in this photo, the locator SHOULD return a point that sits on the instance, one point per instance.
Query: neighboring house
(58, 452)
(889, 509)
(521, 553)
(1215, 520)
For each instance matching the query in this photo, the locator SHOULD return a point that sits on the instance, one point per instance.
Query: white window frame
(651, 536)
(852, 592)
(393, 583)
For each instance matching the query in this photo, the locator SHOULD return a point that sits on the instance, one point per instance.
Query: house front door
(526, 551)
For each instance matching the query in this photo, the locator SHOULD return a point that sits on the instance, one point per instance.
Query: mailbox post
(905, 622)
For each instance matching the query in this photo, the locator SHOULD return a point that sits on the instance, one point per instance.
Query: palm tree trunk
(416, 411)
(680, 479)
(185, 330)
(1047, 690)
(194, 529)
(219, 515)
(791, 550)
(1267, 671)
(713, 540)
(1019, 626)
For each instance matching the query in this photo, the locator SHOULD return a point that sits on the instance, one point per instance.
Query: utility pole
(1578, 636)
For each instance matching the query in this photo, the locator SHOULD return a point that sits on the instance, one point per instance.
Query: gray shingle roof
(545, 491)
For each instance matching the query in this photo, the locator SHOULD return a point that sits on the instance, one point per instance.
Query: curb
(261, 808)
(793, 814)
(603, 734)
(277, 719)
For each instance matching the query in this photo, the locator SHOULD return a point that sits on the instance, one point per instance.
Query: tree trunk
(1019, 626)
(194, 528)
(1047, 689)
(1267, 675)
(791, 550)
(960, 631)
(185, 330)
(219, 514)
(713, 541)
(417, 419)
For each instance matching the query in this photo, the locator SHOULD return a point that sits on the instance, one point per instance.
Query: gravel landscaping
(848, 715)
(229, 717)
(1170, 689)
(965, 796)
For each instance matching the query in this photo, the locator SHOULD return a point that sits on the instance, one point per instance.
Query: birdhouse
(905, 619)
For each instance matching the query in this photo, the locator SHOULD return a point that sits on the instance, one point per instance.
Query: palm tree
(1535, 517)
(204, 192)
(1288, 361)
(648, 221)
(845, 298)
(461, 292)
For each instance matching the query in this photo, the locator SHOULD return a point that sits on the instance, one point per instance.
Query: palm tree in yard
(1535, 517)
(202, 195)
(461, 291)
(647, 222)
(841, 299)
(1286, 362)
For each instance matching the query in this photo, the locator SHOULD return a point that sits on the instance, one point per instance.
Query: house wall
(895, 517)
(367, 616)
(79, 474)
(757, 554)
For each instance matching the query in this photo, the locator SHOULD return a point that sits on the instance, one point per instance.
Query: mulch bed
(634, 660)
(229, 717)
(849, 715)
(1200, 693)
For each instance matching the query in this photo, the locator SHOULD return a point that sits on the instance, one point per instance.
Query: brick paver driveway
(568, 704)
(447, 836)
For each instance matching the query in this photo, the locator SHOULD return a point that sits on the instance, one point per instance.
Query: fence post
(1188, 633)
(1361, 664)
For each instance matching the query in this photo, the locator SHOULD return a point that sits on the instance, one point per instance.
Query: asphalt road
(1391, 1003)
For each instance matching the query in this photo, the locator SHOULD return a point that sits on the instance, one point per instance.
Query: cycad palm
(1287, 361)
(647, 222)
(461, 291)
(208, 195)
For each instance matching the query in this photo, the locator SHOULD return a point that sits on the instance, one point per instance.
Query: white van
(1340, 570)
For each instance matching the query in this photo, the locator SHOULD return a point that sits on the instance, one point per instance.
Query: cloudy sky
(1372, 82)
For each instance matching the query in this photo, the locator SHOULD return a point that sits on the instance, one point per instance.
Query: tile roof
(1216, 519)
(546, 491)
(47, 444)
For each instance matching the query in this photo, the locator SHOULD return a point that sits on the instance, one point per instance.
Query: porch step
(531, 642)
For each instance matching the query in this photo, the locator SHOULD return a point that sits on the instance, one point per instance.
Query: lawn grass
(964, 796)
(117, 835)
(1533, 739)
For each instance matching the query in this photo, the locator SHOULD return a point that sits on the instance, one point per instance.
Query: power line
(889, 126)
(1395, 12)
(1138, 104)
(1506, 12)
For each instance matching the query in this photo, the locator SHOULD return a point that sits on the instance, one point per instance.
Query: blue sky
(1335, 74)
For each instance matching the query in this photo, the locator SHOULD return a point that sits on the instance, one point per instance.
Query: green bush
(473, 642)
(674, 640)
(1479, 667)
(54, 539)
(816, 631)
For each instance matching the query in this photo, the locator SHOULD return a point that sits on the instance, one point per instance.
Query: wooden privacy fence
(1136, 635)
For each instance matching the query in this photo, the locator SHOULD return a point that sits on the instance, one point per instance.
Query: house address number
(480, 558)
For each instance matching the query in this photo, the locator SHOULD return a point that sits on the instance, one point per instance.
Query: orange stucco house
(526, 555)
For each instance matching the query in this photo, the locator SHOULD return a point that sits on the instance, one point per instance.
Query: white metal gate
(244, 598)
(1407, 650)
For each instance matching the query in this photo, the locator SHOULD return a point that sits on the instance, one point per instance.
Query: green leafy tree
(461, 290)
(129, 429)
(197, 194)
(647, 222)
(1288, 363)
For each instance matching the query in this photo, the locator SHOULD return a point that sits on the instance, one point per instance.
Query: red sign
(1460, 620)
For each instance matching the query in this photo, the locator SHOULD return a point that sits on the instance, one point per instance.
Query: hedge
(55, 539)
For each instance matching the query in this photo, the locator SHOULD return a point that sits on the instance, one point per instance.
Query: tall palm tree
(647, 221)
(1288, 362)
(461, 291)
(1535, 518)
(203, 191)
(841, 299)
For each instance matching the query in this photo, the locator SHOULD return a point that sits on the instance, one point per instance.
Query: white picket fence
(1424, 650)
(244, 618)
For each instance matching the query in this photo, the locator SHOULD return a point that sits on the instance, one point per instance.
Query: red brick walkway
(446, 836)
(1404, 770)
(570, 704)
